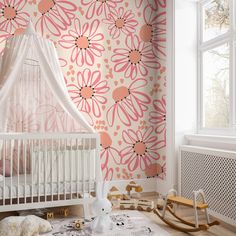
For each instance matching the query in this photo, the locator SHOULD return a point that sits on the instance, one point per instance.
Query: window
(217, 74)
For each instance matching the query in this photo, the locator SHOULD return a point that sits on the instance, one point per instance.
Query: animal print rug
(126, 223)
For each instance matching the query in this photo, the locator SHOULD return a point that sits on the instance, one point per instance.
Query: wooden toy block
(134, 204)
(79, 224)
(128, 204)
(132, 185)
(64, 212)
(114, 194)
(145, 205)
(49, 215)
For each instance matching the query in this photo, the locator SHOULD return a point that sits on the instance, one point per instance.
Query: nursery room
(117, 117)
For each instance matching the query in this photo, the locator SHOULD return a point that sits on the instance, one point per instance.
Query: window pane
(216, 87)
(215, 19)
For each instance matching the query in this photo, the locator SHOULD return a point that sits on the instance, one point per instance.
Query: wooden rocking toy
(174, 200)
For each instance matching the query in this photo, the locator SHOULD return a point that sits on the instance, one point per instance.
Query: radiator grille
(216, 175)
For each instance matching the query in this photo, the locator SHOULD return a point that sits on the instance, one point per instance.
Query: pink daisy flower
(130, 103)
(56, 15)
(134, 59)
(108, 173)
(20, 120)
(55, 118)
(84, 41)
(12, 16)
(88, 93)
(158, 116)
(142, 148)
(154, 30)
(99, 6)
(107, 151)
(120, 21)
(154, 4)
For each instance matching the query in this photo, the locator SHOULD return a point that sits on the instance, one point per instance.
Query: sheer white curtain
(11, 65)
(34, 97)
(33, 94)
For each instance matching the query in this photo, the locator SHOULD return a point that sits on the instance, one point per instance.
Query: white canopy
(33, 93)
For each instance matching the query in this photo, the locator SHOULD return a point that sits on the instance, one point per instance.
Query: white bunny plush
(102, 208)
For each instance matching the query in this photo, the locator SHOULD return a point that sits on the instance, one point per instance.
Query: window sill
(212, 141)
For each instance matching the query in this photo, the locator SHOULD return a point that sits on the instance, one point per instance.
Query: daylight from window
(216, 87)
(215, 64)
(215, 18)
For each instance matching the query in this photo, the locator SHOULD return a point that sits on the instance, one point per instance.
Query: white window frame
(202, 47)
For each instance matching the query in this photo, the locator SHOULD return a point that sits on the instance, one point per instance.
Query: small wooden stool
(172, 198)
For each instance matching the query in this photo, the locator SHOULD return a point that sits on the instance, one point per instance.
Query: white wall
(181, 82)
(164, 186)
(185, 72)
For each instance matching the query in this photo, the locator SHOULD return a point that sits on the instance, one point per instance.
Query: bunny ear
(99, 189)
(105, 189)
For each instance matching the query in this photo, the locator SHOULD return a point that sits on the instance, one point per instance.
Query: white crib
(48, 170)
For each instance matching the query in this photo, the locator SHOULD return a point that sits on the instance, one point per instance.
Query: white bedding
(63, 165)
(54, 188)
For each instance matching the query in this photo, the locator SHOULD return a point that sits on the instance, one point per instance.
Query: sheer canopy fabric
(33, 94)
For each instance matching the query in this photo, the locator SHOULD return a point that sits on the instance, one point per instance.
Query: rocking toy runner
(173, 199)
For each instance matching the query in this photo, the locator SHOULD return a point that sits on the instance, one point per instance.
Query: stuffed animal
(24, 226)
(102, 208)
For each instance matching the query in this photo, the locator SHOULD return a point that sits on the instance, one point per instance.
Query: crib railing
(47, 170)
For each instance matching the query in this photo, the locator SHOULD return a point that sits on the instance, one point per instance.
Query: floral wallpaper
(112, 53)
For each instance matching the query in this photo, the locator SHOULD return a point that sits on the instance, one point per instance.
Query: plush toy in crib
(24, 226)
(102, 208)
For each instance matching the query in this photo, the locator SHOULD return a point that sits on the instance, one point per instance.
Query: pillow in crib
(7, 168)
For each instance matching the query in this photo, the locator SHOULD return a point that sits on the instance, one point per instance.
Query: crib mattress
(26, 190)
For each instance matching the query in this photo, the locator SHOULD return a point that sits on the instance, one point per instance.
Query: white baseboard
(148, 185)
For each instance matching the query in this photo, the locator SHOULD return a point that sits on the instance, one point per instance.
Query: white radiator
(214, 171)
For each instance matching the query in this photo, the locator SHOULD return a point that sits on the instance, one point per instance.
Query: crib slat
(76, 155)
(58, 154)
(51, 157)
(39, 159)
(98, 173)
(43, 161)
(83, 166)
(18, 171)
(45, 170)
(32, 170)
(4, 171)
(24, 168)
(89, 165)
(71, 167)
(64, 157)
(11, 161)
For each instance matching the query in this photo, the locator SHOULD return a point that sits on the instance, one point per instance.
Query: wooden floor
(221, 230)
(218, 230)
